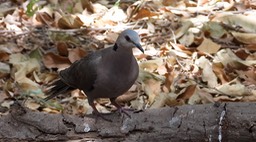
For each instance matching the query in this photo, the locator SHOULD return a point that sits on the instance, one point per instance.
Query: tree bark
(211, 122)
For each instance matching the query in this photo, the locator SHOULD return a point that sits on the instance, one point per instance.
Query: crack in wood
(251, 127)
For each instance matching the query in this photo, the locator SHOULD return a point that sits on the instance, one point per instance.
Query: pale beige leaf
(171, 100)
(208, 46)
(151, 65)
(215, 29)
(226, 98)
(247, 38)
(226, 56)
(145, 75)
(248, 23)
(187, 39)
(7, 103)
(233, 88)
(24, 66)
(205, 96)
(139, 103)
(161, 70)
(160, 101)
(183, 29)
(78, 8)
(151, 27)
(31, 104)
(152, 88)
(115, 14)
(207, 75)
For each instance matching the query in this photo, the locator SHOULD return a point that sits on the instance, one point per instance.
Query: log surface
(210, 122)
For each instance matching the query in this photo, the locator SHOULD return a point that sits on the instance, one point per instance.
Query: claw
(119, 108)
(123, 111)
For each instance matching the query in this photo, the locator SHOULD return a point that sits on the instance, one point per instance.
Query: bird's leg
(95, 111)
(119, 108)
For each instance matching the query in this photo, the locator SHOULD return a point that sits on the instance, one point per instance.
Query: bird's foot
(122, 110)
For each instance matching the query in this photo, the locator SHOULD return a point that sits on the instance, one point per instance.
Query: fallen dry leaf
(190, 90)
(62, 48)
(114, 14)
(76, 54)
(249, 76)
(227, 57)
(52, 60)
(183, 29)
(127, 97)
(232, 88)
(144, 12)
(139, 103)
(218, 69)
(24, 65)
(227, 99)
(248, 23)
(247, 38)
(205, 96)
(152, 88)
(215, 29)
(151, 65)
(4, 56)
(43, 18)
(4, 69)
(207, 72)
(70, 22)
(208, 46)
(160, 101)
(31, 104)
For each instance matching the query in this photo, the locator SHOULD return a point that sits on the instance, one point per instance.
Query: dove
(105, 73)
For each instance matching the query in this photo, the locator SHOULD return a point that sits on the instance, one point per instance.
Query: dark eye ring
(127, 38)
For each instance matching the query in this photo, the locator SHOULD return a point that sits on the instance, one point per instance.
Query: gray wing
(83, 73)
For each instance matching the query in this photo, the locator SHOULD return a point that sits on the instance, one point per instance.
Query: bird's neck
(122, 50)
(121, 56)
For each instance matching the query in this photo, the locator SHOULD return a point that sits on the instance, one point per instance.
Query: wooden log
(210, 122)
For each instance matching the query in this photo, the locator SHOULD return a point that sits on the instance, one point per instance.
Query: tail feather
(59, 87)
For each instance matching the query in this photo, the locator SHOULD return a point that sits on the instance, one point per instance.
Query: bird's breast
(116, 78)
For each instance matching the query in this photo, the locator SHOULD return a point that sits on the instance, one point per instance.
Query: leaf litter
(195, 53)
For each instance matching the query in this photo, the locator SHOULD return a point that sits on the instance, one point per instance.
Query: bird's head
(128, 39)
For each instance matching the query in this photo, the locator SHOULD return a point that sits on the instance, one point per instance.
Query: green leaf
(30, 11)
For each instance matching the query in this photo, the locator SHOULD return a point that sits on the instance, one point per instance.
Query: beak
(139, 47)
